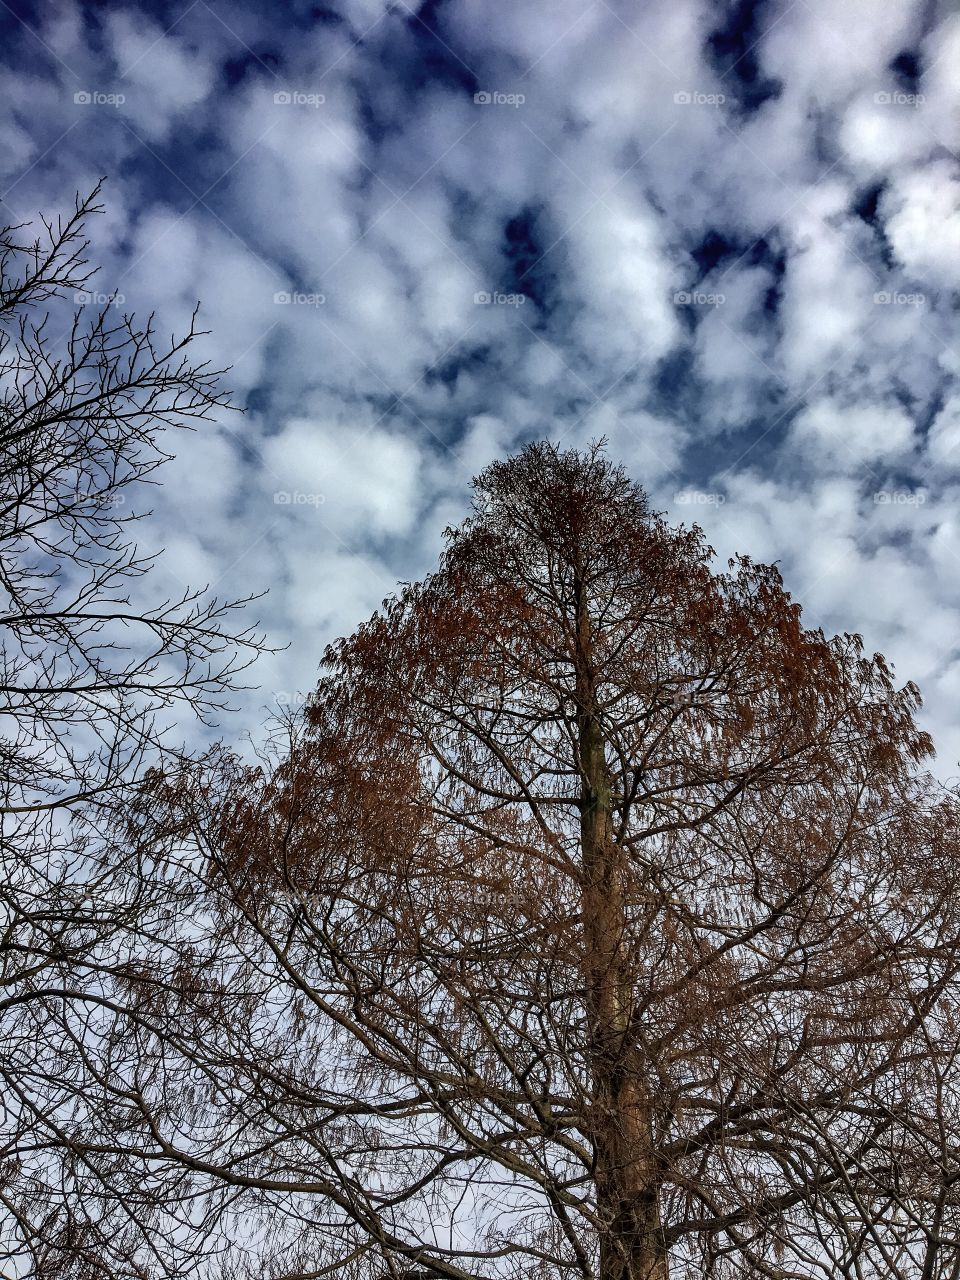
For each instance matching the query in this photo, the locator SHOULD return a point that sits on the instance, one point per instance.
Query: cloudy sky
(725, 236)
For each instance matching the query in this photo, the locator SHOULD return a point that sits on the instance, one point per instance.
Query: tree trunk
(626, 1176)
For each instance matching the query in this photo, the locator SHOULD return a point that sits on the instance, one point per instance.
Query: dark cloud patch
(524, 250)
(867, 200)
(258, 400)
(823, 145)
(732, 50)
(907, 70)
(324, 16)
(929, 411)
(772, 257)
(866, 206)
(378, 116)
(174, 174)
(429, 12)
(472, 360)
(429, 55)
(250, 63)
(15, 12)
(719, 252)
(755, 442)
(921, 404)
(713, 249)
(166, 12)
(675, 388)
(404, 57)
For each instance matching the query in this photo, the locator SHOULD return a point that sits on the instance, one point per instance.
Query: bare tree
(93, 666)
(85, 669)
(600, 920)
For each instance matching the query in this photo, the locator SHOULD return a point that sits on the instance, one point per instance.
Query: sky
(725, 236)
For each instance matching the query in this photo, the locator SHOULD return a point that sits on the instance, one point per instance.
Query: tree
(598, 919)
(93, 666)
(80, 425)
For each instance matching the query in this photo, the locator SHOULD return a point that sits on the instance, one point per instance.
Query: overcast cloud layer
(725, 237)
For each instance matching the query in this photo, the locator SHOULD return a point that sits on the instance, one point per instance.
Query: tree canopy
(596, 919)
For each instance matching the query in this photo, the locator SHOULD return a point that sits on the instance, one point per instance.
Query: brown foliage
(600, 920)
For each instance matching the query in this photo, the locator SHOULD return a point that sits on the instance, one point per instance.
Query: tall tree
(600, 920)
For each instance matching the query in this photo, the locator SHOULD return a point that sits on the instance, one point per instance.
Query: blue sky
(727, 237)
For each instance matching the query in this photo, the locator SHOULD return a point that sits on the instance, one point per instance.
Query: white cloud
(943, 444)
(365, 479)
(624, 282)
(828, 301)
(839, 435)
(161, 79)
(922, 213)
